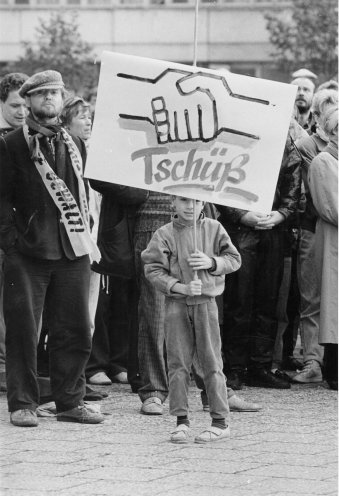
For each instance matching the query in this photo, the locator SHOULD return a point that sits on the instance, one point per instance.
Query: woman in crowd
(76, 118)
(323, 183)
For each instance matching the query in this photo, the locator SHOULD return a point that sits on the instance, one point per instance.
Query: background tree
(306, 36)
(59, 46)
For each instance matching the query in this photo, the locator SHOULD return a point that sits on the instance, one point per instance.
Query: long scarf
(75, 219)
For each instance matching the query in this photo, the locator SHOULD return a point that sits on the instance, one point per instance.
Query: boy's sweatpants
(190, 329)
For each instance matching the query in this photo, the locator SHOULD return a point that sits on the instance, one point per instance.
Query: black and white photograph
(169, 248)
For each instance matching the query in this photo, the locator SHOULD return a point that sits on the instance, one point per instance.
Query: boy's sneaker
(82, 415)
(212, 434)
(180, 434)
(311, 372)
(24, 418)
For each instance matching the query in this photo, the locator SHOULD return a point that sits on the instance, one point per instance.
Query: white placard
(205, 134)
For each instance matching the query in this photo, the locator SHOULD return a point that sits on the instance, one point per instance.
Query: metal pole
(195, 56)
(196, 17)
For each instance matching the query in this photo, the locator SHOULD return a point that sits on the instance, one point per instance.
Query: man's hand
(194, 288)
(199, 261)
(252, 219)
(272, 220)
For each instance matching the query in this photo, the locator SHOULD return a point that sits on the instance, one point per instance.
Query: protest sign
(204, 134)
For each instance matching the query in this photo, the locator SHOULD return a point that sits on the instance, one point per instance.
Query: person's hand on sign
(199, 260)
(273, 219)
(252, 219)
(184, 106)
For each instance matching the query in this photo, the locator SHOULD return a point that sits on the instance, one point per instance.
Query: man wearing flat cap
(44, 232)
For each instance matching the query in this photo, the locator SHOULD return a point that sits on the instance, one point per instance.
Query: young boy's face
(183, 207)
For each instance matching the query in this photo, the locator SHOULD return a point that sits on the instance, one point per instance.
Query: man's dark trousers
(251, 294)
(60, 288)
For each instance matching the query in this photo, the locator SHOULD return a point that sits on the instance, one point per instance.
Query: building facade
(231, 33)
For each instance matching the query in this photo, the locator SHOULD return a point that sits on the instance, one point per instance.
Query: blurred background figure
(323, 184)
(251, 293)
(309, 147)
(114, 356)
(13, 107)
(13, 112)
(303, 102)
(289, 299)
(304, 73)
(76, 118)
(114, 352)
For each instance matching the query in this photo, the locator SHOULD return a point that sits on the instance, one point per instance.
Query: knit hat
(46, 80)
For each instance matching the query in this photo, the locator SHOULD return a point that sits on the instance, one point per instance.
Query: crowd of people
(101, 283)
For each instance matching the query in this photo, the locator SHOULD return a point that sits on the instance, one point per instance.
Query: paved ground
(287, 449)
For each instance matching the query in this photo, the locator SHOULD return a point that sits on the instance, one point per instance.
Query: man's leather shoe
(235, 380)
(265, 379)
(24, 418)
(152, 406)
(100, 379)
(282, 375)
(80, 414)
(237, 404)
(121, 378)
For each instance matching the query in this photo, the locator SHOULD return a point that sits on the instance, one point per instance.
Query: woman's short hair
(330, 119)
(322, 99)
(72, 107)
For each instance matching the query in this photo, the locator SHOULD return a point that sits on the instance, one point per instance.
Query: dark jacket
(116, 228)
(287, 193)
(29, 218)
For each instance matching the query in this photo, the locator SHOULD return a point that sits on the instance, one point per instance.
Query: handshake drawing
(186, 106)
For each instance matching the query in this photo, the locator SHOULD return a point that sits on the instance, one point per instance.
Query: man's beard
(46, 114)
(304, 109)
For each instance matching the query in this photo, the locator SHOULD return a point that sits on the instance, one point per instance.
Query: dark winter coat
(116, 228)
(287, 193)
(29, 218)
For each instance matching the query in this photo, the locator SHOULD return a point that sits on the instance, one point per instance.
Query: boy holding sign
(191, 315)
